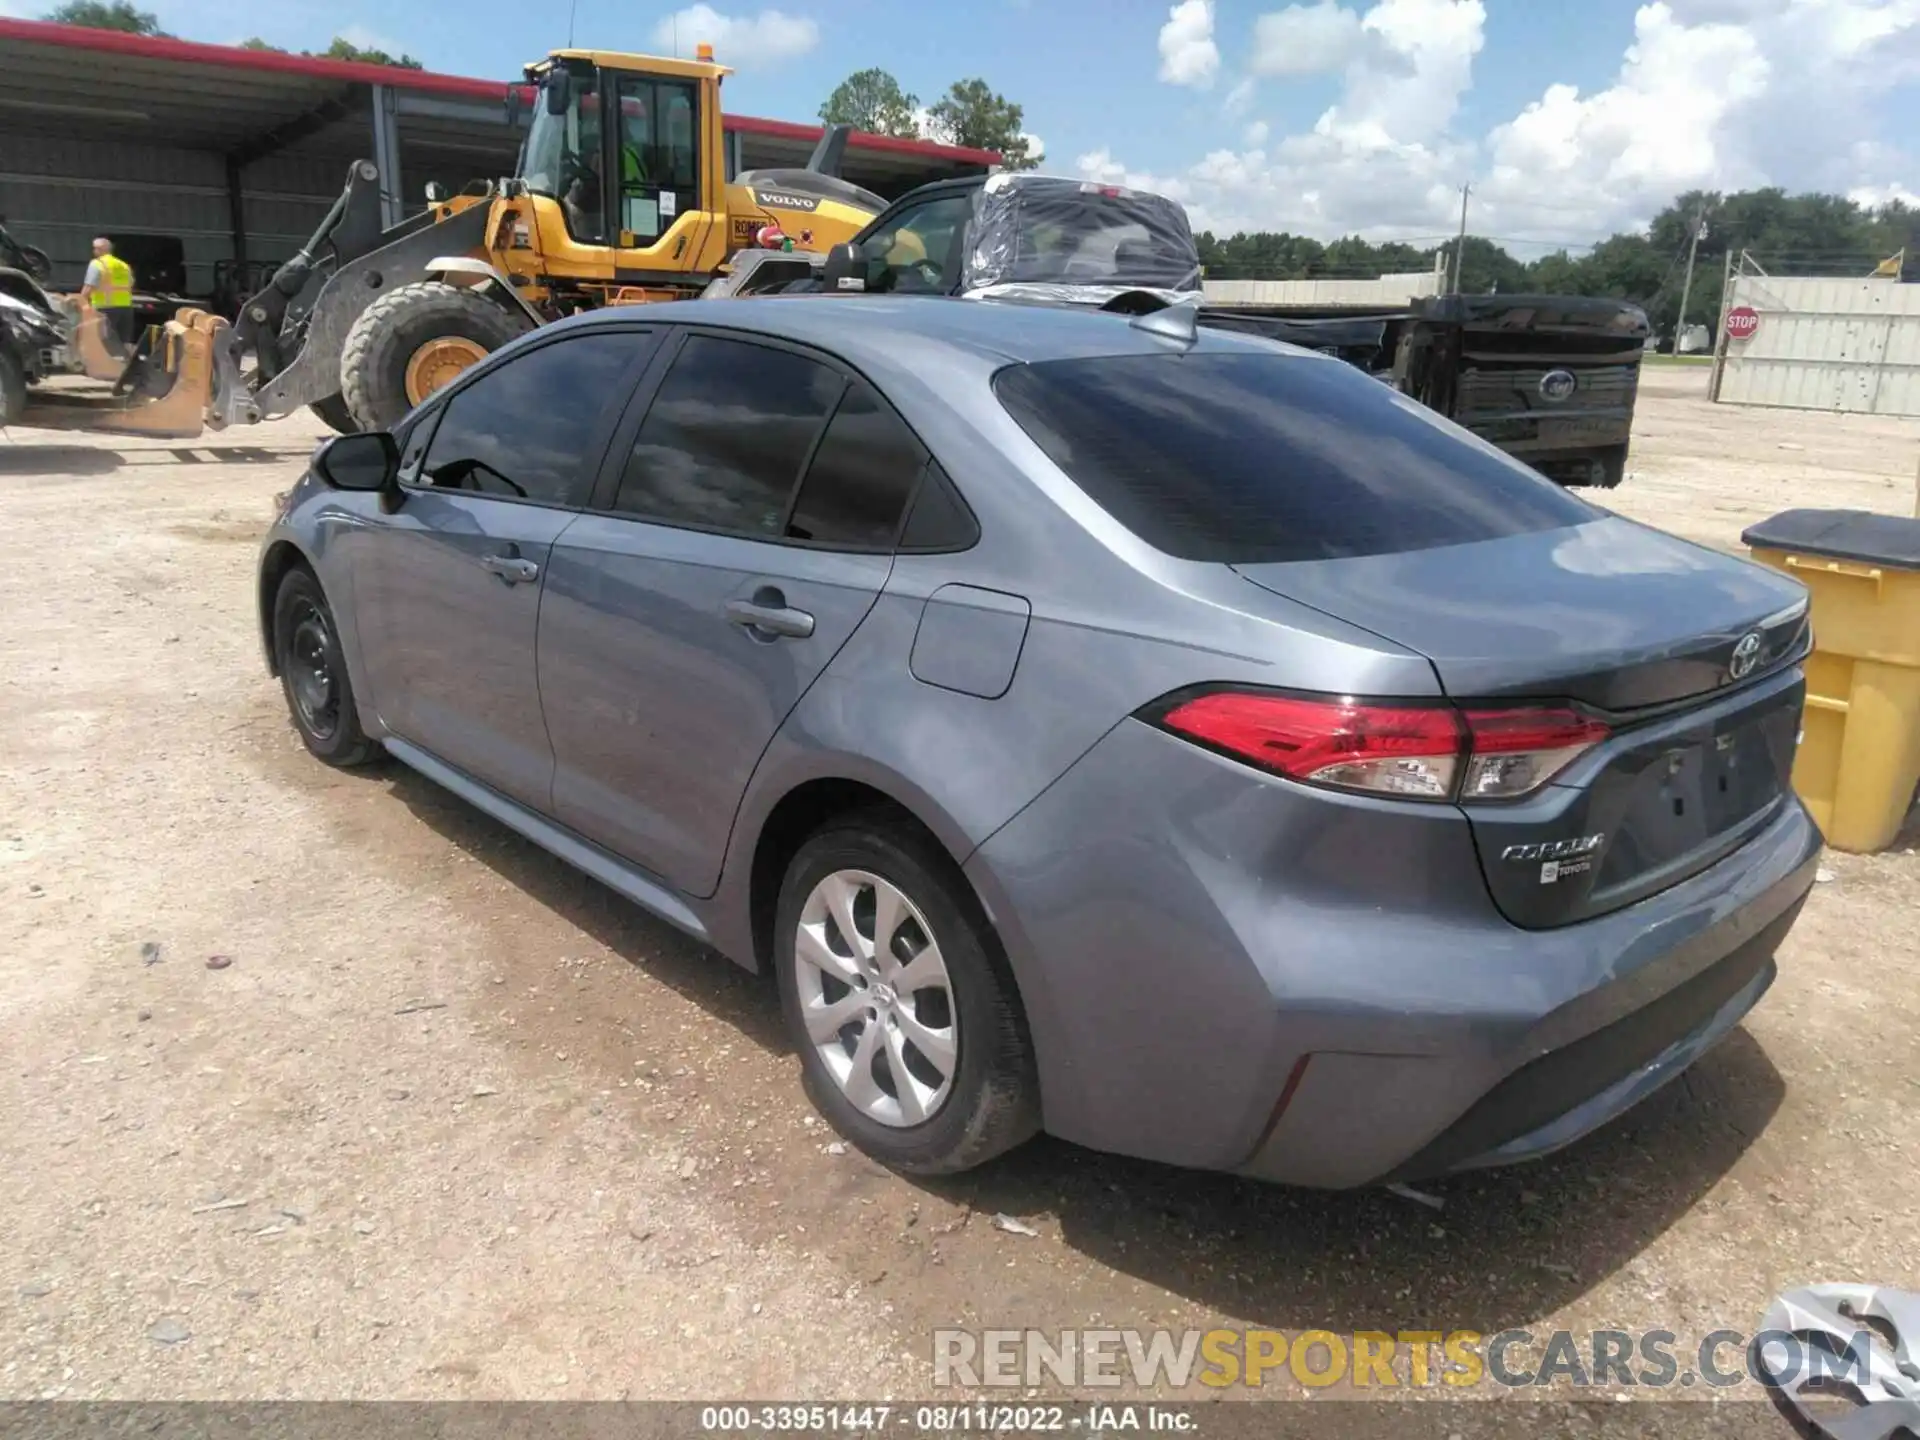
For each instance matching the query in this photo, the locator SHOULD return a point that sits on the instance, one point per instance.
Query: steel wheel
(309, 665)
(437, 362)
(876, 999)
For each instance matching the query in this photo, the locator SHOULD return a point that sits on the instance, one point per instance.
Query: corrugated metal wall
(59, 194)
(1387, 290)
(1826, 345)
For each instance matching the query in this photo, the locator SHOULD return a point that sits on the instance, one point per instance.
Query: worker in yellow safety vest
(109, 289)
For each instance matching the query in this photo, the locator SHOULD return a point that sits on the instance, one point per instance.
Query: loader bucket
(166, 390)
(100, 359)
(172, 398)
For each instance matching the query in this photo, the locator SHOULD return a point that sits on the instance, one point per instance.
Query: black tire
(13, 385)
(335, 416)
(373, 362)
(35, 262)
(994, 1100)
(322, 709)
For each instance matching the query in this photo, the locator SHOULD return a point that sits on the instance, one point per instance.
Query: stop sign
(1742, 321)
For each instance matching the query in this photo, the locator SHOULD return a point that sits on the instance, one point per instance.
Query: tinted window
(523, 430)
(724, 440)
(910, 253)
(940, 518)
(861, 478)
(1251, 457)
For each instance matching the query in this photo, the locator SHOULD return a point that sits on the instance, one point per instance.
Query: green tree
(972, 114)
(106, 15)
(872, 100)
(254, 42)
(344, 49)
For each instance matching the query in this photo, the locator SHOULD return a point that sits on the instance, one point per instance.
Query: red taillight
(1388, 749)
(1424, 752)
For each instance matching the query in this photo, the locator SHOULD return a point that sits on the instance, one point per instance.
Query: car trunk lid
(1685, 653)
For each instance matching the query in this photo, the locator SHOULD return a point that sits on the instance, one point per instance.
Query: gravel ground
(323, 1085)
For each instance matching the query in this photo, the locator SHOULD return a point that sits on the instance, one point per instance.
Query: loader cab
(624, 159)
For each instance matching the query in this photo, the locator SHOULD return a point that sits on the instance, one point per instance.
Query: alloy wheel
(876, 998)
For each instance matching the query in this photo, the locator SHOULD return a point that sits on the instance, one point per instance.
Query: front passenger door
(447, 594)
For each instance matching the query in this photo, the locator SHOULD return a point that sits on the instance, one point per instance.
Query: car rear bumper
(1237, 973)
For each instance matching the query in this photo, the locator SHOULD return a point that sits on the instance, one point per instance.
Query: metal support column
(386, 154)
(237, 219)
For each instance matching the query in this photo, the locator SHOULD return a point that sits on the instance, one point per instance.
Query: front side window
(910, 253)
(523, 430)
(726, 436)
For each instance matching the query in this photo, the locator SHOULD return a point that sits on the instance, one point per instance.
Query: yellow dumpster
(1859, 760)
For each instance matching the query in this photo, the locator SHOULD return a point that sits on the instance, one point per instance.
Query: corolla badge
(1558, 385)
(1746, 655)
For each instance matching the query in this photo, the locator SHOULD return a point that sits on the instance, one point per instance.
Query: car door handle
(511, 568)
(770, 615)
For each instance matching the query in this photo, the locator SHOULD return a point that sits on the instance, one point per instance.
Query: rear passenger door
(743, 527)
(447, 587)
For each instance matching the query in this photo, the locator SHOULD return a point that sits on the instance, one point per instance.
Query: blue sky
(1570, 119)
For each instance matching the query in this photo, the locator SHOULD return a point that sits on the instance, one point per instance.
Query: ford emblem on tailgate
(1558, 385)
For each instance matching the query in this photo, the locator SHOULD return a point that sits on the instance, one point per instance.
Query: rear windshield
(1244, 458)
(1102, 241)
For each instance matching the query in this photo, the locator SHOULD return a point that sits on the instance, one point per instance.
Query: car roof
(891, 328)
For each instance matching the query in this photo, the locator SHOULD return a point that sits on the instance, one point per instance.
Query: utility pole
(1460, 245)
(1686, 289)
(1720, 330)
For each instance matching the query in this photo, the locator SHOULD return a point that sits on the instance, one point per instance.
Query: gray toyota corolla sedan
(1180, 743)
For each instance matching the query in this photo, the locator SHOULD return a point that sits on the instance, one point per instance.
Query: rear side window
(726, 436)
(1246, 457)
(522, 431)
(861, 477)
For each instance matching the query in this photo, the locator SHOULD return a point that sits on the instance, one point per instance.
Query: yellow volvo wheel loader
(620, 197)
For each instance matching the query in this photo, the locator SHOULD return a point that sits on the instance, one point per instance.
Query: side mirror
(559, 92)
(368, 461)
(845, 268)
(436, 192)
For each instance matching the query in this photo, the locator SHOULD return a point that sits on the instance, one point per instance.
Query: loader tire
(398, 337)
(334, 414)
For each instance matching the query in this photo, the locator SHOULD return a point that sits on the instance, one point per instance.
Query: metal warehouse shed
(237, 154)
(1821, 344)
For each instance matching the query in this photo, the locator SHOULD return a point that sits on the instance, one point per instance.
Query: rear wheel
(313, 672)
(911, 1038)
(333, 411)
(413, 340)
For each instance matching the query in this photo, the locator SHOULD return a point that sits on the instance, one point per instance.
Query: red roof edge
(788, 130)
(155, 47)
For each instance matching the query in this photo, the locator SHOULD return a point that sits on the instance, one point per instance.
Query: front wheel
(313, 672)
(911, 1038)
(413, 340)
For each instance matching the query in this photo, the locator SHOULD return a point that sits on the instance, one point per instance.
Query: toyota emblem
(1746, 655)
(1558, 385)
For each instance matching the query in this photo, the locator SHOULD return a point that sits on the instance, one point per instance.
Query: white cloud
(1717, 94)
(767, 39)
(1240, 97)
(1188, 55)
(1874, 196)
(1036, 147)
(1304, 39)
